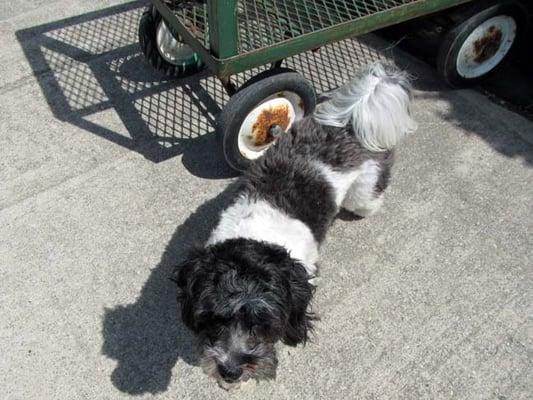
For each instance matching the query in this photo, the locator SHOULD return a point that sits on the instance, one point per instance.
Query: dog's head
(241, 297)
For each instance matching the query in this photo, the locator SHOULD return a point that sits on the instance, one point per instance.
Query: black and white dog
(252, 284)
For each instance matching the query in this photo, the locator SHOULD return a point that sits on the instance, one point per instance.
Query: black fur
(286, 178)
(287, 181)
(384, 177)
(241, 297)
(254, 283)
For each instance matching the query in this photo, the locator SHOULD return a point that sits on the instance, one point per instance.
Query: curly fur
(377, 105)
(246, 290)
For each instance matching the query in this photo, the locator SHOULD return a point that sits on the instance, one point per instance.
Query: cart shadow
(94, 77)
(147, 338)
(510, 135)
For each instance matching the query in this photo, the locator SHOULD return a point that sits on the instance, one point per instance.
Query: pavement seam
(71, 181)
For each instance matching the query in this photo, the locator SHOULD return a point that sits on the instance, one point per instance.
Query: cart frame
(222, 55)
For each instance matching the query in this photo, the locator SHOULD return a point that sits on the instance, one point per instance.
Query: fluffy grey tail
(377, 103)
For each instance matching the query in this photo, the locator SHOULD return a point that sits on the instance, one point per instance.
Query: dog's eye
(255, 333)
(253, 341)
(260, 331)
(214, 332)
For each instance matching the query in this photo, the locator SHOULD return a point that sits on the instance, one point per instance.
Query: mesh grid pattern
(263, 23)
(94, 77)
(193, 15)
(100, 35)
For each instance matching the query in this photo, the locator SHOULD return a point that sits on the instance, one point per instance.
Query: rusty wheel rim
(486, 46)
(257, 131)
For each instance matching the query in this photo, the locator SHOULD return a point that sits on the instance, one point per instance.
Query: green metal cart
(180, 37)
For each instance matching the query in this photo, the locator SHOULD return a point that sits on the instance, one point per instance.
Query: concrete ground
(108, 173)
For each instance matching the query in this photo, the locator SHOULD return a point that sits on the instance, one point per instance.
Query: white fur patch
(355, 189)
(377, 103)
(361, 199)
(341, 181)
(259, 220)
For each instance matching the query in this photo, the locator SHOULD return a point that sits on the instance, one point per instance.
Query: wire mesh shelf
(263, 23)
(193, 15)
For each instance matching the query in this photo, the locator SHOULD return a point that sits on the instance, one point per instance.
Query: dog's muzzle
(229, 373)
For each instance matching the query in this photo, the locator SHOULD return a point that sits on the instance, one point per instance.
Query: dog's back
(341, 156)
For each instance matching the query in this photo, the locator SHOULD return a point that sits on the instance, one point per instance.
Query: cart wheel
(166, 53)
(251, 119)
(476, 46)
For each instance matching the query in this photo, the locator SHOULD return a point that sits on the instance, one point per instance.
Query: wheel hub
(172, 50)
(486, 46)
(267, 121)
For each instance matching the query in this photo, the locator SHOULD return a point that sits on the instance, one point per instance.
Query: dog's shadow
(147, 338)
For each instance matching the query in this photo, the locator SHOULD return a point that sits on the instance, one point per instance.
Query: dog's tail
(377, 103)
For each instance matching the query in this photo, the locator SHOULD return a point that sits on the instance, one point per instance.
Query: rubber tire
(449, 48)
(148, 25)
(265, 74)
(251, 95)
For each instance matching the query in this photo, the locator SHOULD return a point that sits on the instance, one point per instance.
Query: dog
(251, 285)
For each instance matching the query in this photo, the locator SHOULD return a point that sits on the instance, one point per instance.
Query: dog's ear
(186, 275)
(174, 275)
(300, 320)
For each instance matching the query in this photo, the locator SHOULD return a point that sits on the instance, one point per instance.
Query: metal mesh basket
(232, 36)
(263, 23)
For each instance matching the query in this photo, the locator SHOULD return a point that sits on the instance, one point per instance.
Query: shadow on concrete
(512, 85)
(91, 64)
(507, 133)
(510, 134)
(147, 338)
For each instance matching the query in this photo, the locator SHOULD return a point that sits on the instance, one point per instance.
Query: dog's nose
(229, 373)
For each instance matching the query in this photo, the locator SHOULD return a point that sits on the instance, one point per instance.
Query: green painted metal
(177, 27)
(302, 43)
(223, 29)
(243, 34)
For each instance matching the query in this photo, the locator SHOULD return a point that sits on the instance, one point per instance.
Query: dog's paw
(228, 386)
(347, 215)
